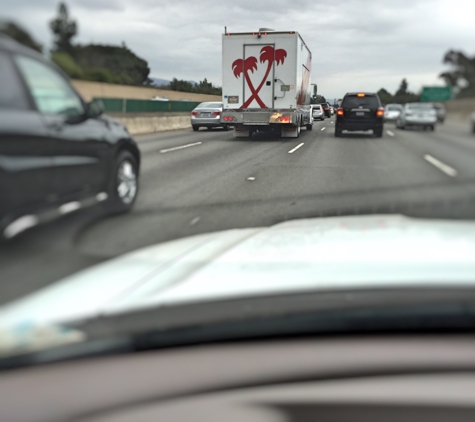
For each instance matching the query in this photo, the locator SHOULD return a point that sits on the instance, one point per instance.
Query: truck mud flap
(290, 131)
(241, 131)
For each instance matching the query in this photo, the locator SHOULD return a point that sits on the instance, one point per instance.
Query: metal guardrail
(125, 105)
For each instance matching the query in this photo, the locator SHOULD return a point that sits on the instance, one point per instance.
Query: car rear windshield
(394, 107)
(421, 106)
(351, 101)
(210, 105)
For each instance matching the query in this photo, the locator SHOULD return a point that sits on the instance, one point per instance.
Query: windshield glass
(159, 154)
(210, 105)
(355, 101)
(421, 106)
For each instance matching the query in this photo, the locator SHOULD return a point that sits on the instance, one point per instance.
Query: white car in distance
(392, 112)
(421, 115)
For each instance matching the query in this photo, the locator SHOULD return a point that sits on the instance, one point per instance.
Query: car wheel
(124, 184)
(378, 133)
(209, 127)
(195, 128)
(225, 128)
(473, 128)
(338, 132)
(309, 127)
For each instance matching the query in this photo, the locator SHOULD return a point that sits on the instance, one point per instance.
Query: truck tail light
(194, 113)
(380, 112)
(340, 112)
(285, 119)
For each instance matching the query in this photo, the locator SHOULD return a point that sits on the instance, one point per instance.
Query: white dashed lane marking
(296, 148)
(163, 151)
(441, 166)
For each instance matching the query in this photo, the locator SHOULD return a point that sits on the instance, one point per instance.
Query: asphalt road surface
(197, 182)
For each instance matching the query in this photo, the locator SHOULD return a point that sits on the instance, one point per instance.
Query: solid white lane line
(163, 151)
(194, 221)
(296, 148)
(390, 133)
(441, 166)
(323, 128)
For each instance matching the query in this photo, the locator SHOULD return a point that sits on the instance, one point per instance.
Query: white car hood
(294, 256)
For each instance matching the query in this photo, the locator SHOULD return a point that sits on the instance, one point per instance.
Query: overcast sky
(356, 44)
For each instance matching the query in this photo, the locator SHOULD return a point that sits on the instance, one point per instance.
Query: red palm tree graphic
(269, 55)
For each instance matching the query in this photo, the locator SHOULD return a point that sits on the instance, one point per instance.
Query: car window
(50, 91)
(12, 94)
(210, 105)
(421, 106)
(355, 101)
(397, 108)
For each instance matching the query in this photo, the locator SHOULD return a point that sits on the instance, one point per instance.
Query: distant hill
(161, 82)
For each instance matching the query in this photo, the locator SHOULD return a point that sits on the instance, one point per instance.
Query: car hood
(294, 256)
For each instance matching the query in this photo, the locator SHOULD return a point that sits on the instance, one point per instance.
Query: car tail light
(285, 119)
(361, 95)
(217, 113)
(340, 112)
(194, 113)
(380, 112)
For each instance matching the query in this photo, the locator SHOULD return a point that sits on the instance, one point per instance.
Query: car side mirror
(94, 108)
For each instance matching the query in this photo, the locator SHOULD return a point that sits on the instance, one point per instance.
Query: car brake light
(217, 113)
(360, 95)
(194, 113)
(340, 112)
(380, 112)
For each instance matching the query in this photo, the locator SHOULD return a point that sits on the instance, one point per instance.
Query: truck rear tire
(309, 127)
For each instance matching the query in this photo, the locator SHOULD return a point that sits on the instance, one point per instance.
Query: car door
(26, 165)
(80, 143)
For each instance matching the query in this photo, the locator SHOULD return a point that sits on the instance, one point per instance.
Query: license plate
(360, 113)
(205, 114)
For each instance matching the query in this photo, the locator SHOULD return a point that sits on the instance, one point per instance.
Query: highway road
(197, 182)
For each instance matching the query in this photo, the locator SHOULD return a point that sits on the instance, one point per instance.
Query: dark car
(57, 153)
(360, 112)
(326, 109)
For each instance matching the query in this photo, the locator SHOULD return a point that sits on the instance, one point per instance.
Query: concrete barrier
(89, 90)
(145, 123)
(460, 110)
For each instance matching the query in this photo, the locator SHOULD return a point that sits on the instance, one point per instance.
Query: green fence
(145, 106)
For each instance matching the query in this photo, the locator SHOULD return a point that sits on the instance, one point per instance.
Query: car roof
(9, 44)
(359, 92)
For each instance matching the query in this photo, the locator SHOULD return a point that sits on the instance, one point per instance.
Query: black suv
(57, 153)
(360, 111)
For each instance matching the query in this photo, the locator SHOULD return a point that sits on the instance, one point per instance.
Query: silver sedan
(207, 115)
(417, 114)
(317, 112)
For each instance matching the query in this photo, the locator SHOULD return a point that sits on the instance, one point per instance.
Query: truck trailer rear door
(258, 70)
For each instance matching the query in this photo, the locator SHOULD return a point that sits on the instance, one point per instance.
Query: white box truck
(266, 82)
